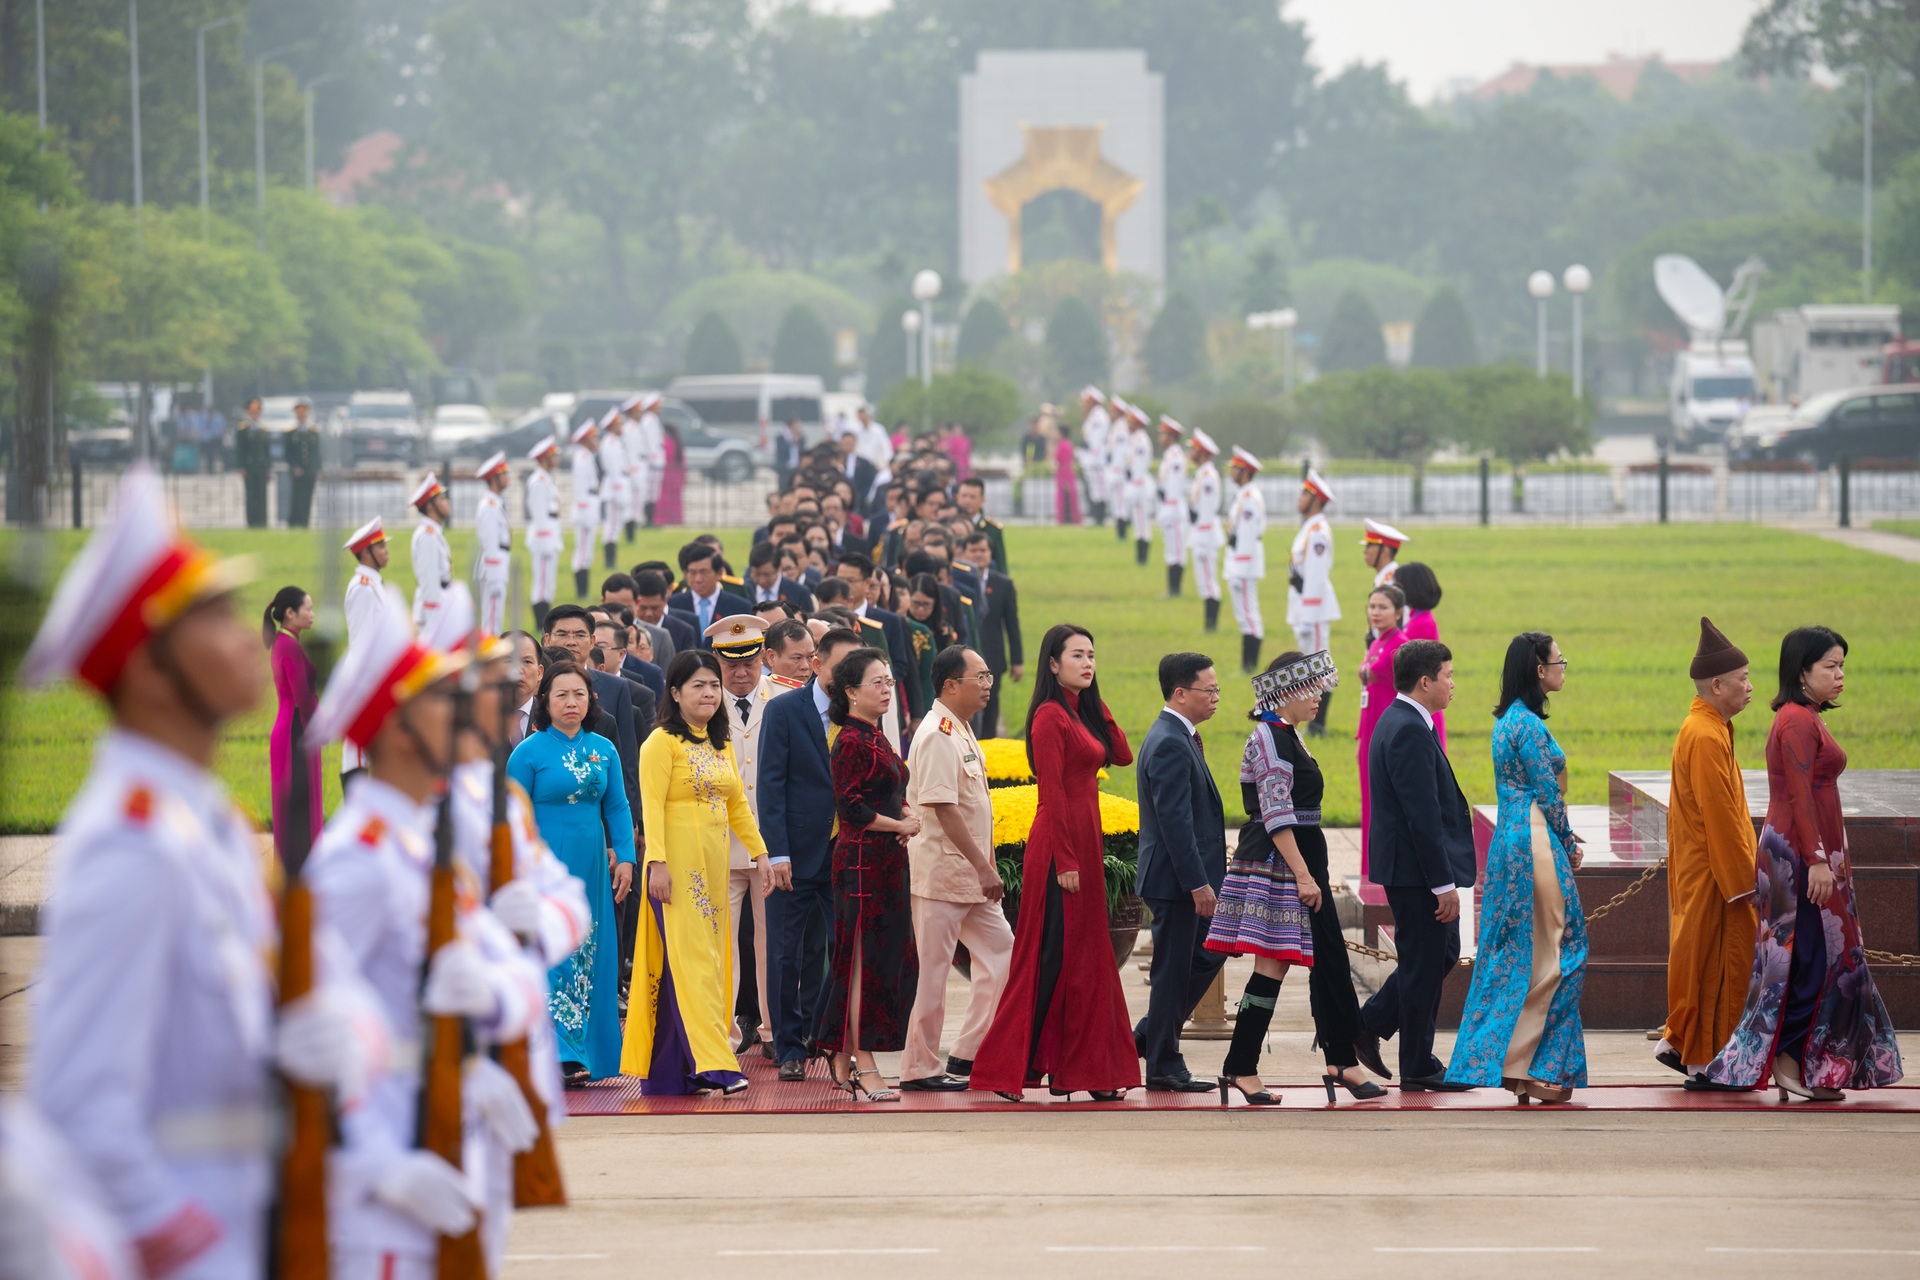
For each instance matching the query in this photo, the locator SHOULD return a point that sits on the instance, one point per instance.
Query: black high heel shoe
(1365, 1091)
(1259, 1099)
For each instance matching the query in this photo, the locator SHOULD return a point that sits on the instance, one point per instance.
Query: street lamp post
(40, 48)
(926, 287)
(133, 62)
(910, 325)
(1540, 285)
(311, 86)
(260, 142)
(1578, 280)
(200, 74)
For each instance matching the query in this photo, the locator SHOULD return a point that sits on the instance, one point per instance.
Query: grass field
(1623, 602)
(1911, 528)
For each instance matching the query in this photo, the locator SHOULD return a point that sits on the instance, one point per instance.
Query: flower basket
(1014, 807)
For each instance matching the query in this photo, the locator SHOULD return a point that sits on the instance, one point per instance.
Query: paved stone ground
(1884, 541)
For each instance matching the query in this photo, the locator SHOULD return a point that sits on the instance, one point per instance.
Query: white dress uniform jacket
(1094, 429)
(494, 549)
(432, 569)
(1172, 480)
(1312, 558)
(370, 875)
(1140, 483)
(365, 592)
(653, 449)
(154, 1008)
(1246, 534)
(544, 537)
(54, 1224)
(586, 505)
(1206, 538)
(613, 467)
(743, 878)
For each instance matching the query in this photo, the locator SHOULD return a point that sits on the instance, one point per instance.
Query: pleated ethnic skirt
(1259, 914)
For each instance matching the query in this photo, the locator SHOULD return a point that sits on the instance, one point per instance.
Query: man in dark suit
(858, 471)
(796, 820)
(857, 571)
(765, 583)
(705, 598)
(1000, 642)
(1183, 859)
(650, 606)
(1420, 842)
(610, 639)
(789, 447)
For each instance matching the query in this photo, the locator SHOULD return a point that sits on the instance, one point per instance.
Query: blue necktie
(706, 613)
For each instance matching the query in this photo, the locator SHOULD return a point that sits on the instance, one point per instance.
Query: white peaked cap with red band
(365, 536)
(1384, 534)
(1204, 442)
(1316, 484)
(426, 491)
(134, 578)
(380, 674)
(1168, 424)
(1242, 458)
(498, 462)
(542, 449)
(1093, 393)
(649, 400)
(581, 432)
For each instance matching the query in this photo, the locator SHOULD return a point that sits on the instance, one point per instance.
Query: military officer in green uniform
(303, 462)
(253, 453)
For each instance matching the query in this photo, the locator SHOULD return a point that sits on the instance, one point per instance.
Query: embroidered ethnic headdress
(1314, 673)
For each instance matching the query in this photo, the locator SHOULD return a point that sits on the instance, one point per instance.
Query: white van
(751, 406)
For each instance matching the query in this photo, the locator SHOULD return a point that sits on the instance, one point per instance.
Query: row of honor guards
(616, 464)
(340, 1065)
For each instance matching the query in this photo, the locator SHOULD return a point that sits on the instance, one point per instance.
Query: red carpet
(768, 1097)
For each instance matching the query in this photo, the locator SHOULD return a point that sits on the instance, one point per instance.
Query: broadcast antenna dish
(1686, 287)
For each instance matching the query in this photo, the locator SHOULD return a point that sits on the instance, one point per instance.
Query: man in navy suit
(1183, 859)
(1420, 842)
(764, 581)
(796, 820)
(651, 583)
(705, 598)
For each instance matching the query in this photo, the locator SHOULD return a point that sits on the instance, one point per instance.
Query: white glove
(457, 984)
(429, 1190)
(26, 1237)
(502, 1107)
(316, 1043)
(516, 905)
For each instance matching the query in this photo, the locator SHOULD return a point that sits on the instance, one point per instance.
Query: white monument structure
(1089, 121)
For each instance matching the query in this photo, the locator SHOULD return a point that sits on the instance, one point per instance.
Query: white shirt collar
(861, 612)
(1191, 731)
(1425, 714)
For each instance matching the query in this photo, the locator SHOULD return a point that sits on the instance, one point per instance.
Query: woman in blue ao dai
(1521, 1027)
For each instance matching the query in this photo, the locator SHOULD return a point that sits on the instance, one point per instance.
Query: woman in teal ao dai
(573, 778)
(1521, 1027)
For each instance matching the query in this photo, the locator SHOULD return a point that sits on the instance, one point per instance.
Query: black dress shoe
(1183, 1083)
(1433, 1084)
(933, 1084)
(1366, 1047)
(794, 1071)
(1139, 1044)
(766, 1050)
(1698, 1083)
(1670, 1059)
(960, 1067)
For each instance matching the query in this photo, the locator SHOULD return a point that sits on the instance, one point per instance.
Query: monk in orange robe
(1710, 849)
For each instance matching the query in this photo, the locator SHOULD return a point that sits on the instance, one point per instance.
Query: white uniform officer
(493, 539)
(371, 877)
(154, 1037)
(653, 451)
(1119, 447)
(585, 467)
(1170, 483)
(615, 484)
(432, 557)
(1143, 494)
(365, 591)
(1247, 555)
(1312, 606)
(635, 498)
(738, 641)
(542, 911)
(1206, 538)
(1381, 549)
(545, 539)
(1094, 428)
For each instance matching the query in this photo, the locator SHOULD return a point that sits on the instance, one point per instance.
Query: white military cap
(1317, 484)
(1093, 393)
(738, 635)
(498, 462)
(365, 536)
(542, 449)
(428, 489)
(1243, 458)
(1384, 534)
(1203, 441)
(581, 432)
(380, 674)
(1169, 424)
(649, 400)
(133, 579)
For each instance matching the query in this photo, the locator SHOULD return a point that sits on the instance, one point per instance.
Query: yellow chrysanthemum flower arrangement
(1014, 808)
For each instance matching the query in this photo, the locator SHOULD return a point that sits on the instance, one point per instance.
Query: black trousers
(1336, 1010)
(1181, 972)
(1806, 972)
(799, 929)
(1408, 1002)
(254, 482)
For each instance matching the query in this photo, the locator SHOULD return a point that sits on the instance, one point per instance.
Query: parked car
(462, 431)
(1869, 422)
(528, 429)
(382, 426)
(752, 405)
(727, 458)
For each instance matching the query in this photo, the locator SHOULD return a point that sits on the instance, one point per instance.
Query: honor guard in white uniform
(544, 534)
(585, 466)
(432, 557)
(54, 1223)
(1247, 555)
(1381, 549)
(653, 451)
(371, 877)
(1206, 538)
(493, 544)
(1142, 493)
(615, 490)
(1094, 428)
(737, 641)
(1312, 606)
(1119, 447)
(542, 911)
(365, 592)
(631, 439)
(1170, 482)
(154, 1037)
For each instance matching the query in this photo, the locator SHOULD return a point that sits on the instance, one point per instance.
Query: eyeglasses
(884, 682)
(1561, 663)
(1213, 692)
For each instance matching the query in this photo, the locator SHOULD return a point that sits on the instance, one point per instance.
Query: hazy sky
(1430, 43)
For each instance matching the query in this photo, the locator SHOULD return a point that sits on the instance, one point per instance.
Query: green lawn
(1911, 528)
(1624, 604)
